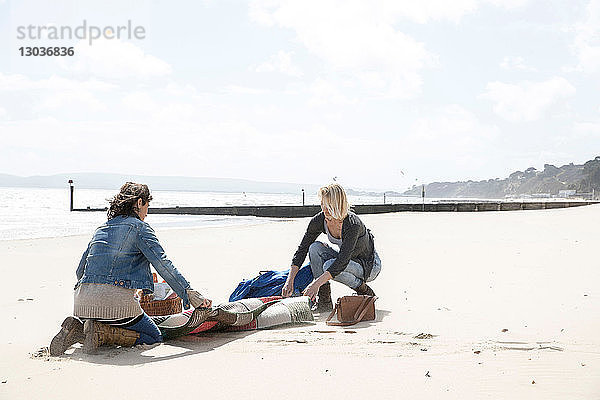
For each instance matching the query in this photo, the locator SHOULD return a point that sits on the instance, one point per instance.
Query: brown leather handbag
(353, 309)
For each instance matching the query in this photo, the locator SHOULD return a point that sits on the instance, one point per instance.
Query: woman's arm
(81, 267)
(314, 229)
(151, 248)
(288, 287)
(312, 289)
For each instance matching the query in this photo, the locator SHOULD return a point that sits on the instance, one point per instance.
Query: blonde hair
(335, 200)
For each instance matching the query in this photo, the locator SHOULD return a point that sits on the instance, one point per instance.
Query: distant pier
(310, 210)
(283, 211)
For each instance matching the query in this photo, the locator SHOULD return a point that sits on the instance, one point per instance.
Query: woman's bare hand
(197, 300)
(312, 290)
(288, 287)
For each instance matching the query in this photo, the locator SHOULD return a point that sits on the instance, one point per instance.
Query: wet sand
(472, 305)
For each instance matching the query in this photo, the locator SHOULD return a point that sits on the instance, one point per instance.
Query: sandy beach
(472, 305)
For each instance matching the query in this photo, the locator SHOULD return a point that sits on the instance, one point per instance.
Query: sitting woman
(115, 264)
(355, 264)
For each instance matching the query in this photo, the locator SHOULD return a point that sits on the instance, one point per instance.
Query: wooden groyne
(309, 211)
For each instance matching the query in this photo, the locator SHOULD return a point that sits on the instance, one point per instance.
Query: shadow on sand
(380, 315)
(192, 344)
(169, 350)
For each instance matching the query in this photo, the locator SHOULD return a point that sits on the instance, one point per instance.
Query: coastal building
(564, 194)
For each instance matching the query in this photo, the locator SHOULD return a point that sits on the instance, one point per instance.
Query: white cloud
(359, 41)
(114, 60)
(587, 39)
(3, 114)
(174, 104)
(280, 62)
(178, 112)
(588, 128)
(356, 40)
(517, 63)
(386, 11)
(438, 10)
(236, 89)
(451, 136)
(527, 101)
(177, 89)
(508, 4)
(17, 82)
(34, 96)
(325, 93)
(140, 101)
(430, 10)
(450, 132)
(72, 100)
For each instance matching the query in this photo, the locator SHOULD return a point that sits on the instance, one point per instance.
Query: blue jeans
(322, 256)
(149, 332)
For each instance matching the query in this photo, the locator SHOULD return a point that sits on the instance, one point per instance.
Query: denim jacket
(120, 253)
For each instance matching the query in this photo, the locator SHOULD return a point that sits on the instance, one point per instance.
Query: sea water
(27, 213)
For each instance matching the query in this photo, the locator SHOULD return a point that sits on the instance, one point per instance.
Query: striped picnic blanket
(245, 314)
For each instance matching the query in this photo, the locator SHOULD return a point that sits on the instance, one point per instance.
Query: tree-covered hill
(582, 178)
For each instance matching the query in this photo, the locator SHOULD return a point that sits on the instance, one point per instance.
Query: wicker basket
(160, 307)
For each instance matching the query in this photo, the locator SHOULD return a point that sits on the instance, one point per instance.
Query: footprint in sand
(523, 346)
(424, 336)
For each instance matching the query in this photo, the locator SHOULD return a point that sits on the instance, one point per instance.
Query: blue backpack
(270, 283)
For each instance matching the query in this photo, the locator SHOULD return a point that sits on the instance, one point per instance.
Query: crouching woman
(115, 264)
(354, 265)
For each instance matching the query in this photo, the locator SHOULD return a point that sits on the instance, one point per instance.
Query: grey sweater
(105, 301)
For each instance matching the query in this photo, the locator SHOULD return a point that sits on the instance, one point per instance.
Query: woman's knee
(145, 338)
(376, 268)
(315, 249)
(348, 279)
(155, 335)
(327, 264)
(147, 328)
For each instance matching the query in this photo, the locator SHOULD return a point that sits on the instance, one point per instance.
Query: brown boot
(97, 334)
(71, 332)
(364, 289)
(324, 303)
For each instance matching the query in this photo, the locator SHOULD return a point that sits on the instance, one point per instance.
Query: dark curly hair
(125, 203)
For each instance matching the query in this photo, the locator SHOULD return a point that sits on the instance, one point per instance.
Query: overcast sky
(382, 94)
